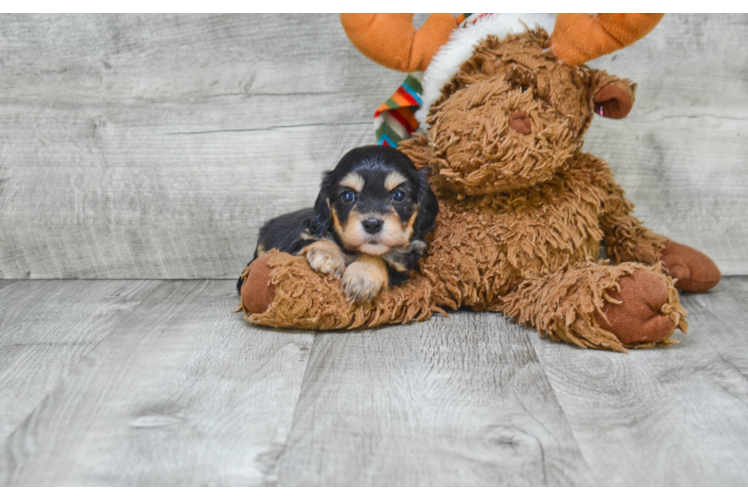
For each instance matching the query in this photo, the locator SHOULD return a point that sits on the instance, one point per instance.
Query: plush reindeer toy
(523, 211)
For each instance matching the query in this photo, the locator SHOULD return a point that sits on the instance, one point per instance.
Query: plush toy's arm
(626, 239)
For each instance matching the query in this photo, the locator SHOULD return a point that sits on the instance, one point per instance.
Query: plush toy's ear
(428, 207)
(322, 218)
(611, 97)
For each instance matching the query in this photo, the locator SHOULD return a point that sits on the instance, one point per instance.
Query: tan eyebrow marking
(393, 180)
(353, 181)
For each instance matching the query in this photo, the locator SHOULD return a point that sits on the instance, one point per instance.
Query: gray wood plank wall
(154, 146)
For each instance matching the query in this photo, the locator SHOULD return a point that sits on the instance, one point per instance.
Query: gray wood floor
(157, 383)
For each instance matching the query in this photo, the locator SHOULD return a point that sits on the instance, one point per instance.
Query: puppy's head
(375, 200)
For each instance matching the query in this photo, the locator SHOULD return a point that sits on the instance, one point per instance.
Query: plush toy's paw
(695, 271)
(639, 316)
(365, 278)
(325, 257)
(257, 291)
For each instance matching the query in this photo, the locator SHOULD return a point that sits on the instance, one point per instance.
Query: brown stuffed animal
(523, 210)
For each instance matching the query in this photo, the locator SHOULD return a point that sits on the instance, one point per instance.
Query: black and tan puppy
(367, 226)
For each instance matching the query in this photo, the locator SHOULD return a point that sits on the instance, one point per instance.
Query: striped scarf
(395, 120)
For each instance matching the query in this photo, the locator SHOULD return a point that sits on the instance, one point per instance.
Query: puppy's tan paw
(365, 278)
(325, 257)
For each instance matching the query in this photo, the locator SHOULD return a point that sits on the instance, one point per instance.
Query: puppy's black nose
(372, 226)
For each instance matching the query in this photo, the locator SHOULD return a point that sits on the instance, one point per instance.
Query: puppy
(367, 226)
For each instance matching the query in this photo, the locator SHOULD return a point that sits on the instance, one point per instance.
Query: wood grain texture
(181, 392)
(178, 391)
(458, 401)
(721, 316)
(154, 146)
(668, 416)
(47, 328)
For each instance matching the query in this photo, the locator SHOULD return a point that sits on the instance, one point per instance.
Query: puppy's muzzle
(372, 225)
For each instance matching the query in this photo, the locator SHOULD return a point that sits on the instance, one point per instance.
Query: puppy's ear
(322, 218)
(428, 207)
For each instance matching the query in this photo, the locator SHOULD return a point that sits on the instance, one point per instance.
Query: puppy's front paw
(325, 257)
(365, 278)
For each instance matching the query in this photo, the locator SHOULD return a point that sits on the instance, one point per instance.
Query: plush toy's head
(505, 103)
(513, 115)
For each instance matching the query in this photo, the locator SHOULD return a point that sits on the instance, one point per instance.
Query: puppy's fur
(367, 226)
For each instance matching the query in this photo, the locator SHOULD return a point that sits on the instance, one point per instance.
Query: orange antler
(578, 38)
(392, 41)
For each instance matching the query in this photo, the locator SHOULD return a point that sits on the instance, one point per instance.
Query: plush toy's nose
(520, 122)
(372, 226)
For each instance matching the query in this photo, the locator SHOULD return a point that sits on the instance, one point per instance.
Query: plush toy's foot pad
(257, 291)
(694, 271)
(639, 317)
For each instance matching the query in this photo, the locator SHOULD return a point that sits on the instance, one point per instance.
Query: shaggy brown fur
(312, 301)
(521, 216)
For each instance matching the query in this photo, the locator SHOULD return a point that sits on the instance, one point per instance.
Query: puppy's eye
(348, 196)
(398, 195)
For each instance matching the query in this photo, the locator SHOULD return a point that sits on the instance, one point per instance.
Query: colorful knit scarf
(395, 119)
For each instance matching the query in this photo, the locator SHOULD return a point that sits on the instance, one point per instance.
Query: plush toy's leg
(257, 291)
(599, 306)
(282, 290)
(627, 240)
(693, 270)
